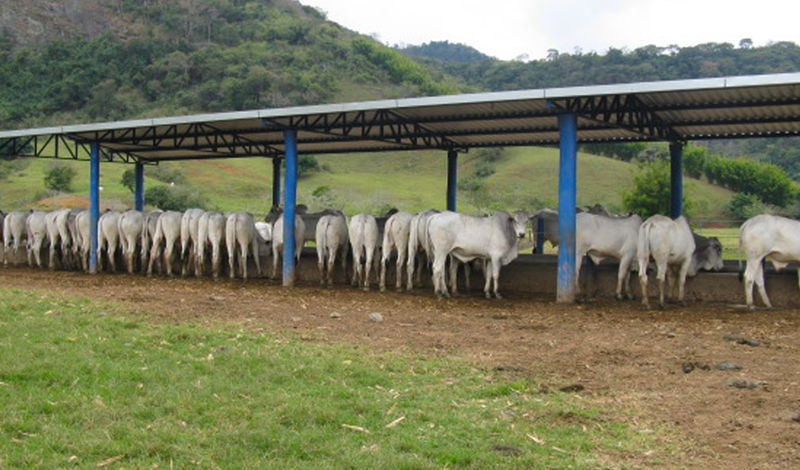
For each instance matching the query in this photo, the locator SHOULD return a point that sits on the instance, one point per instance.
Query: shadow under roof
(683, 110)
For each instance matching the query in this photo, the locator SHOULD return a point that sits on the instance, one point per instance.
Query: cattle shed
(670, 111)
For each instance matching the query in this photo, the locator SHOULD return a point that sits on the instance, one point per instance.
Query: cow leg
(467, 276)
(439, 285)
(368, 266)
(232, 260)
(244, 248)
(52, 260)
(356, 266)
(496, 277)
(168, 256)
(682, 282)
(661, 276)
(762, 290)
(321, 264)
(487, 285)
(412, 257)
(401, 260)
(331, 264)
(624, 276)
(643, 285)
(154, 249)
(453, 276)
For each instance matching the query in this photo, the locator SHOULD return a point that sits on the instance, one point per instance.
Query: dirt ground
(658, 368)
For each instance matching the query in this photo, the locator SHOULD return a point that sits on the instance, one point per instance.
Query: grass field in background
(411, 181)
(84, 384)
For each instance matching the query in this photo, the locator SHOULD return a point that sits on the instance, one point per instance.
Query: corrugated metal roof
(717, 108)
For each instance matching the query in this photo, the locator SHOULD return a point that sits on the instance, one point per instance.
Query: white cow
(36, 227)
(601, 237)
(418, 249)
(150, 222)
(130, 228)
(771, 237)
(189, 237)
(331, 240)
(210, 233)
(277, 241)
(84, 240)
(14, 233)
(168, 232)
(108, 239)
(672, 244)
(396, 236)
(75, 239)
(58, 235)
(240, 231)
(495, 239)
(363, 234)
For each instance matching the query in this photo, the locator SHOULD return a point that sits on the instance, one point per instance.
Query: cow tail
(644, 247)
(387, 235)
(322, 243)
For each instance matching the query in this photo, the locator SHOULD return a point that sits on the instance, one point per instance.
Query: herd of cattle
(441, 241)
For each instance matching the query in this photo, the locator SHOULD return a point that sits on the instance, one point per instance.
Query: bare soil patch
(658, 368)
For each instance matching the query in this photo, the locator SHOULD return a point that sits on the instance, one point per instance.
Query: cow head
(708, 253)
(520, 223)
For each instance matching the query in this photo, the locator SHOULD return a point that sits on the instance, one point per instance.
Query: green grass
(411, 181)
(81, 383)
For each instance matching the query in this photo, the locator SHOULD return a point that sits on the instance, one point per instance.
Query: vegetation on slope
(214, 55)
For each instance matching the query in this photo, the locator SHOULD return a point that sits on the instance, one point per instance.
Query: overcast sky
(507, 29)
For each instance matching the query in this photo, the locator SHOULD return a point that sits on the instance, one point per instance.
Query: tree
(59, 177)
(651, 191)
(129, 179)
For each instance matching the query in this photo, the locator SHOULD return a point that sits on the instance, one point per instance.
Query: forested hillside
(165, 57)
(649, 63)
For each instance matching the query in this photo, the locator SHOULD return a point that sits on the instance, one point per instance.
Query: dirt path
(625, 358)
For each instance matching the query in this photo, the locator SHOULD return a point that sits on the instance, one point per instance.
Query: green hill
(524, 178)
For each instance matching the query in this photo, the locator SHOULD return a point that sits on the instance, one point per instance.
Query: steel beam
(276, 181)
(139, 193)
(567, 201)
(289, 207)
(676, 180)
(452, 182)
(94, 204)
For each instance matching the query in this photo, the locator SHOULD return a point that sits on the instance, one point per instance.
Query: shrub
(58, 177)
(484, 169)
(174, 198)
(651, 191)
(694, 161)
(745, 206)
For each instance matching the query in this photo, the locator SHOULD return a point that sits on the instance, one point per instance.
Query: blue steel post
(452, 175)
(139, 195)
(276, 181)
(289, 205)
(94, 204)
(676, 188)
(567, 198)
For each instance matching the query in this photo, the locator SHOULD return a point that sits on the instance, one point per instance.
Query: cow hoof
(645, 308)
(399, 290)
(488, 295)
(620, 298)
(365, 288)
(498, 296)
(383, 288)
